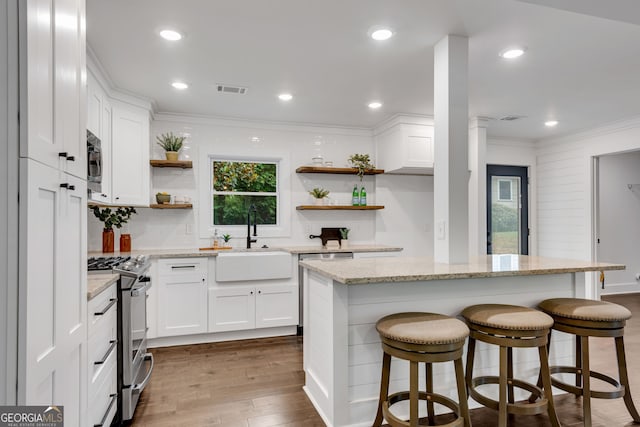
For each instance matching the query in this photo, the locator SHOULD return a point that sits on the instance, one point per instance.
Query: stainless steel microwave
(94, 163)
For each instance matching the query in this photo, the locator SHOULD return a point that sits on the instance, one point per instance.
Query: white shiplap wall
(565, 195)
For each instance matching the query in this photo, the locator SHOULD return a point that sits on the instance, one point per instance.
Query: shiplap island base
(344, 299)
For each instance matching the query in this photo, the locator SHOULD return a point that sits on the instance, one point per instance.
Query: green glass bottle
(355, 196)
(363, 196)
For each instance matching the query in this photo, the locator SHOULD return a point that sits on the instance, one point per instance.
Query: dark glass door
(507, 210)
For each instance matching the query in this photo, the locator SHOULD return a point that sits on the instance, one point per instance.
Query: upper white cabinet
(130, 170)
(406, 149)
(52, 53)
(99, 123)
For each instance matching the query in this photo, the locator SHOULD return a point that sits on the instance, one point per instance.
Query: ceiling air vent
(511, 118)
(238, 90)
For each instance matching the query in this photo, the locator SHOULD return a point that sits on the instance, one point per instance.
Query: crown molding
(606, 129)
(402, 118)
(262, 124)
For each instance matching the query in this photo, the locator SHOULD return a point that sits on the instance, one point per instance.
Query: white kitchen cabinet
(232, 308)
(52, 53)
(130, 171)
(276, 305)
(238, 306)
(182, 296)
(52, 348)
(102, 358)
(99, 123)
(406, 149)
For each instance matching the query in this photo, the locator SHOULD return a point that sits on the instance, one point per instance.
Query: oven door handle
(143, 384)
(141, 289)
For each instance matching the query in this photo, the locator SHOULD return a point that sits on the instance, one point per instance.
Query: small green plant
(344, 233)
(170, 142)
(362, 162)
(226, 237)
(319, 193)
(113, 218)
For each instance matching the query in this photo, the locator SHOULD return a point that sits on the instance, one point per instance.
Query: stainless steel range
(135, 364)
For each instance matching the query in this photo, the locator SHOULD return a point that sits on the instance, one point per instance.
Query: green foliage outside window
(238, 185)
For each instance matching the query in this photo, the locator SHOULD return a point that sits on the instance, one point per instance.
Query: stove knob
(140, 258)
(127, 265)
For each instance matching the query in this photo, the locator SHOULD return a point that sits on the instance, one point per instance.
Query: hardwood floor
(258, 383)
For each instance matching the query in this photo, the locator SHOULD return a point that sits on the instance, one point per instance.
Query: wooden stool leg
(384, 387)
(502, 406)
(462, 393)
(579, 361)
(533, 397)
(471, 349)
(510, 374)
(624, 379)
(413, 394)
(586, 381)
(545, 376)
(430, 408)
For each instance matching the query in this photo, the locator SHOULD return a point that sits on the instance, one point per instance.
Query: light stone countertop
(98, 283)
(408, 269)
(195, 252)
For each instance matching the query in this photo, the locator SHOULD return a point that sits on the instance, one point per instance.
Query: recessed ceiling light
(512, 53)
(380, 33)
(375, 105)
(285, 97)
(180, 85)
(551, 123)
(170, 35)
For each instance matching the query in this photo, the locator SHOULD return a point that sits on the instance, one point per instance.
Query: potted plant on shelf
(171, 145)
(114, 218)
(319, 194)
(344, 237)
(226, 238)
(362, 162)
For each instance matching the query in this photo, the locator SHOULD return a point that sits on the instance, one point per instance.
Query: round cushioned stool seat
(503, 316)
(581, 309)
(422, 328)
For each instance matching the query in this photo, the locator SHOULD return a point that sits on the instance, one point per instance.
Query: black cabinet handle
(62, 154)
(175, 267)
(104, 311)
(72, 187)
(64, 185)
(71, 158)
(112, 346)
(113, 397)
(103, 195)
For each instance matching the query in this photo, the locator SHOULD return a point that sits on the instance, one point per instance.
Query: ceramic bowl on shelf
(317, 160)
(163, 198)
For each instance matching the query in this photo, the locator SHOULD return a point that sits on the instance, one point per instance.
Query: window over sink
(236, 185)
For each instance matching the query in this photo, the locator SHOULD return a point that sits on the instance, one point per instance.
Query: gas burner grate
(105, 263)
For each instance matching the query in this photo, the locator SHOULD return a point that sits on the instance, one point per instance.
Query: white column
(478, 186)
(451, 174)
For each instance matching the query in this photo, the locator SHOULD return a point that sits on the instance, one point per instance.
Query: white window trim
(283, 226)
(510, 199)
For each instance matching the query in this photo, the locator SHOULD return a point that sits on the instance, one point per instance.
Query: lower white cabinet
(181, 296)
(102, 350)
(239, 307)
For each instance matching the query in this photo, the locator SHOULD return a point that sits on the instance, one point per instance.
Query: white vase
(344, 243)
(318, 202)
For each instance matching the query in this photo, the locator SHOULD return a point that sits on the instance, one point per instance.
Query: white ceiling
(582, 65)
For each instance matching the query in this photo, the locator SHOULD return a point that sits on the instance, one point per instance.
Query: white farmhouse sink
(243, 266)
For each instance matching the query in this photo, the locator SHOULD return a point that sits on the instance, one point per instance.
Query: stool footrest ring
(432, 397)
(618, 392)
(519, 408)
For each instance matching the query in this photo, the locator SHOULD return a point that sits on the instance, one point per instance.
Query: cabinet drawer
(101, 308)
(99, 371)
(103, 398)
(182, 266)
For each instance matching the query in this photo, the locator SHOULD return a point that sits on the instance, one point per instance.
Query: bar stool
(584, 319)
(510, 326)
(428, 338)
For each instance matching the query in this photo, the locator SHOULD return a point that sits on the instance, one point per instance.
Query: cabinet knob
(67, 186)
(251, 292)
(117, 198)
(259, 292)
(103, 195)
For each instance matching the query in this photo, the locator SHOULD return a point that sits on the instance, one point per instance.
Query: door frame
(523, 173)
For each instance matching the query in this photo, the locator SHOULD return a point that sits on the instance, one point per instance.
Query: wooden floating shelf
(184, 164)
(337, 208)
(344, 171)
(170, 206)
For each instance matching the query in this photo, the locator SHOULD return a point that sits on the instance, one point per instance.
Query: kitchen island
(344, 299)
